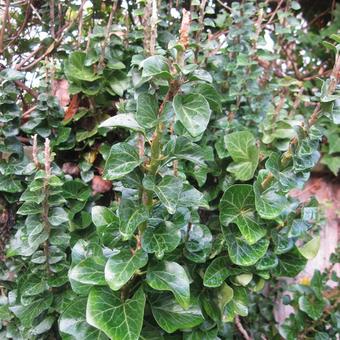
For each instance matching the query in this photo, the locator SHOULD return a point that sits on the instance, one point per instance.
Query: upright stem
(45, 204)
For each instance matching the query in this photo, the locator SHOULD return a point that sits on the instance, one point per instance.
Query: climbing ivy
(148, 150)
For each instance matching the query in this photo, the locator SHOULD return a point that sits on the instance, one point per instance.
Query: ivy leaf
(199, 243)
(117, 319)
(290, 264)
(73, 322)
(128, 227)
(89, 271)
(123, 158)
(27, 313)
(120, 267)
(244, 152)
(122, 120)
(9, 184)
(58, 216)
(170, 316)
(192, 198)
(216, 272)
(240, 252)
(238, 206)
(155, 66)
(168, 190)
(193, 111)
(269, 202)
(161, 239)
(211, 95)
(312, 307)
(269, 261)
(75, 68)
(171, 276)
(311, 248)
(147, 110)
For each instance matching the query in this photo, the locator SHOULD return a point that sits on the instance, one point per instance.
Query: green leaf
(122, 120)
(192, 198)
(123, 158)
(199, 243)
(58, 216)
(168, 190)
(170, 316)
(75, 68)
(269, 202)
(155, 66)
(170, 276)
(103, 216)
(29, 208)
(27, 313)
(216, 272)
(311, 306)
(161, 239)
(128, 227)
(9, 184)
(147, 110)
(193, 111)
(119, 320)
(73, 322)
(238, 206)
(269, 261)
(240, 252)
(290, 264)
(121, 267)
(89, 271)
(244, 152)
(211, 95)
(311, 248)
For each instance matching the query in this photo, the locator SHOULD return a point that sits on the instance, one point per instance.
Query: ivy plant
(156, 203)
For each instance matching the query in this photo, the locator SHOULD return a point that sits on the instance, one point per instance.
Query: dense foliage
(156, 201)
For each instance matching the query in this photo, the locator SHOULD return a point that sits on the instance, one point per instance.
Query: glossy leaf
(238, 206)
(121, 267)
(171, 276)
(193, 111)
(216, 272)
(244, 152)
(170, 316)
(119, 320)
(123, 158)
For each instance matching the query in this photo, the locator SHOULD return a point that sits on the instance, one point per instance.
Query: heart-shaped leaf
(238, 206)
(120, 267)
(170, 276)
(119, 320)
(123, 158)
(171, 316)
(216, 272)
(242, 148)
(193, 111)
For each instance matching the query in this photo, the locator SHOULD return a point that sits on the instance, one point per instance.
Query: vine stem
(45, 204)
(241, 329)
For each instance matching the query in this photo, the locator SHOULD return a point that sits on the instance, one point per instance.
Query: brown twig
(3, 28)
(224, 5)
(241, 328)
(52, 18)
(23, 25)
(107, 35)
(274, 13)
